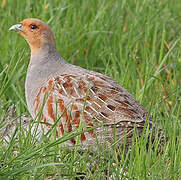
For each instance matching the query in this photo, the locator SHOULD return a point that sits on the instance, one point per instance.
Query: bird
(76, 98)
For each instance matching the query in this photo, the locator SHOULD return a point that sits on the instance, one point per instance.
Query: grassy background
(137, 43)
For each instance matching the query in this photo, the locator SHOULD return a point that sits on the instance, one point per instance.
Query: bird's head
(35, 32)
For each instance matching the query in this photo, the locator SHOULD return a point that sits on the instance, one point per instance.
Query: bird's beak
(16, 27)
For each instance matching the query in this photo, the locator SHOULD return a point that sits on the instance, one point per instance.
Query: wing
(91, 99)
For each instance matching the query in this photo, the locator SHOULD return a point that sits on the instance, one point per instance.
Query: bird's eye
(34, 26)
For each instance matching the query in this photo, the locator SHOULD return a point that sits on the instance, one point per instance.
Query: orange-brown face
(35, 32)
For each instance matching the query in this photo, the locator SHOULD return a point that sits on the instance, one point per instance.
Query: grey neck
(47, 52)
(45, 62)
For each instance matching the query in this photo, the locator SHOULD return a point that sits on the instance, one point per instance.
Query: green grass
(137, 43)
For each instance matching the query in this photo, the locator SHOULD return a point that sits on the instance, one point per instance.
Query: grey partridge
(75, 96)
